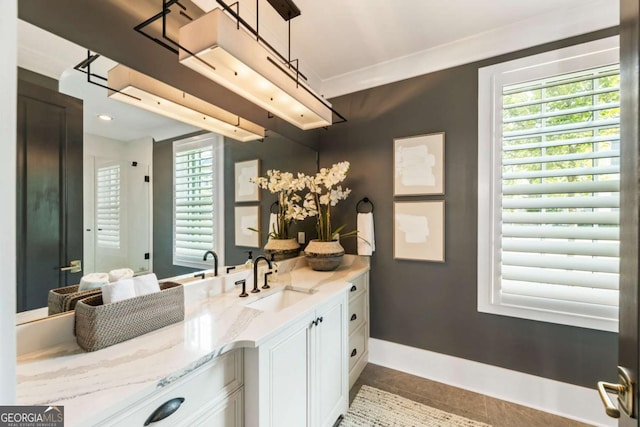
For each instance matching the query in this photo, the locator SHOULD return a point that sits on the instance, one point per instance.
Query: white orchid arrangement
(285, 185)
(323, 193)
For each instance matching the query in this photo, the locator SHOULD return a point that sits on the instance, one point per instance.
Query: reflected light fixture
(105, 117)
(140, 90)
(217, 47)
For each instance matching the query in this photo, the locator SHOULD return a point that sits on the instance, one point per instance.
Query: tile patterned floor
(495, 412)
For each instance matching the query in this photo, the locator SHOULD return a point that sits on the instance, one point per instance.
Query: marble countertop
(92, 385)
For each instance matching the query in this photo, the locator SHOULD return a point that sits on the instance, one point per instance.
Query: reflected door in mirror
(49, 192)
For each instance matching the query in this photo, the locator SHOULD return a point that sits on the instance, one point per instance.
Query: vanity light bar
(142, 91)
(230, 56)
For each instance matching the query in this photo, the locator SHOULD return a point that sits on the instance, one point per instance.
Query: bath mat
(376, 408)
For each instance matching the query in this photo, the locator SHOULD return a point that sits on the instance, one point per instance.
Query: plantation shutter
(559, 225)
(195, 192)
(108, 206)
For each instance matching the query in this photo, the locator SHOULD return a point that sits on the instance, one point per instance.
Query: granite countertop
(93, 385)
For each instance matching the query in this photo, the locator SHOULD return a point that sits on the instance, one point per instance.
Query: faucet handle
(266, 277)
(243, 282)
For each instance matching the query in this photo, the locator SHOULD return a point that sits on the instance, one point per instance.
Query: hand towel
(366, 237)
(273, 220)
(121, 273)
(146, 284)
(118, 291)
(93, 281)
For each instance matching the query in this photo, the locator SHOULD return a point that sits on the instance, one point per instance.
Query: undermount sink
(281, 299)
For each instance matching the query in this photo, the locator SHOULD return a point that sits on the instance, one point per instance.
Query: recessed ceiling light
(105, 117)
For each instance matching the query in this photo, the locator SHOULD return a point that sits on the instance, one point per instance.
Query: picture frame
(418, 165)
(419, 230)
(247, 218)
(246, 191)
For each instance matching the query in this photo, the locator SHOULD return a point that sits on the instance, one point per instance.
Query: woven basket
(101, 325)
(66, 298)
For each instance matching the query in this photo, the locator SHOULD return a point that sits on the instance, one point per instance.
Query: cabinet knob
(354, 352)
(353, 317)
(314, 322)
(320, 319)
(165, 410)
(354, 288)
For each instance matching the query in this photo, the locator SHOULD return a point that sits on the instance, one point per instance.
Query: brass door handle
(609, 407)
(625, 392)
(74, 266)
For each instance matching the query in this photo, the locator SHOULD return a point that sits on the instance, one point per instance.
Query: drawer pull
(354, 352)
(354, 288)
(353, 317)
(165, 410)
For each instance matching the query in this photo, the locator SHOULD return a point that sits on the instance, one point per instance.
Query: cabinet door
(288, 379)
(330, 394)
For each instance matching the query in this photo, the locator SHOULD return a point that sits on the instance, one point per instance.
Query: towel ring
(276, 205)
(364, 200)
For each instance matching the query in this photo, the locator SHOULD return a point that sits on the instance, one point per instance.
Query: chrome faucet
(255, 271)
(215, 261)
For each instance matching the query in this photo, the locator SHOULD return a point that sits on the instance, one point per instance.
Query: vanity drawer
(210, 383)
(358, 286)
(357, 345)
(357, 312)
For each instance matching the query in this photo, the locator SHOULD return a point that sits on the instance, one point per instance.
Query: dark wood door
(49, 192)
(628, 348)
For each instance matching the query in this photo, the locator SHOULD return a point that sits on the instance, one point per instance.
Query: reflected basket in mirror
(64, 299)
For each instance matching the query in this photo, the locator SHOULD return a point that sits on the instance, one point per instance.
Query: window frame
(491, 80)
(216, 142)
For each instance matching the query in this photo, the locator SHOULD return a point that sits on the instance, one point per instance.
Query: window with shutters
(198, 203)
(108, 220)
(548, 186)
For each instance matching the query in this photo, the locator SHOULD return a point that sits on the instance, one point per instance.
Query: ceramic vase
(282, 248)
(324, 256)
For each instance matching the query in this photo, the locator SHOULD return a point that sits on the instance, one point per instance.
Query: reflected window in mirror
(198, 202)
(108, 206)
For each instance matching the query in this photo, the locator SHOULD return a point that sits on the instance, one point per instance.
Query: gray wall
(432, 306)
(276, 152)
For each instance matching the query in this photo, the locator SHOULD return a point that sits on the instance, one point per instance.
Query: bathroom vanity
(283, 357)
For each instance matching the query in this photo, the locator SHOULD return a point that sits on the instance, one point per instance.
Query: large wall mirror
(126, 171)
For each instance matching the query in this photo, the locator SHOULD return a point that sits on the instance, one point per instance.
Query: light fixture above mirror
(135, 88)
(216, 47)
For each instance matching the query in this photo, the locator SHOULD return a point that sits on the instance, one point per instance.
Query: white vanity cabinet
(299, 377)
(213, 397)
(358, 351)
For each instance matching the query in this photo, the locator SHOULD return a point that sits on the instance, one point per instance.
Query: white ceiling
(349, 45)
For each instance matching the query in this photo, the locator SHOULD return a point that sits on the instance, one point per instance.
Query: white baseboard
(566, 400)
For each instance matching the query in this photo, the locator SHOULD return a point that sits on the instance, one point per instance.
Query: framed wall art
(245, 190)
(247, 218)
(418, 230)
(418, 165)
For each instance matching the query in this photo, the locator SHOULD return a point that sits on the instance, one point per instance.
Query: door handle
(74, 266)
(625, 392)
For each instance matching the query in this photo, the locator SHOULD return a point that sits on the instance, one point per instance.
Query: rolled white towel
(118, 291)
(93, 281)
(121, 273)
(146, 284)
(366, 236)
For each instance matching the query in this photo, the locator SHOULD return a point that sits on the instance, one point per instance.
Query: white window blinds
(195, 210)
(108, 206)
(560, 180)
